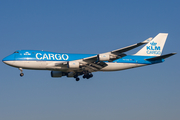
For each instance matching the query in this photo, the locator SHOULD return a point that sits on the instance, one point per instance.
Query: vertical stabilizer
(155, 47)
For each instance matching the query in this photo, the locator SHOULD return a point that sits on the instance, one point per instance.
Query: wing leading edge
(119, 53)
(94, 63)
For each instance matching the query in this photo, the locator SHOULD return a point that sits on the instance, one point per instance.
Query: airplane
(75, 65)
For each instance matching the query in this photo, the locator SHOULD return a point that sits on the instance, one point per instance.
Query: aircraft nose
(8, 58)
(5, 59)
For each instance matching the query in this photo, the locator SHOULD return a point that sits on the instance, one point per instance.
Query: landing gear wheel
(21, 74)
(77, 79)
(84, 76)
(87, 76)
(90, 75)
(75, 76)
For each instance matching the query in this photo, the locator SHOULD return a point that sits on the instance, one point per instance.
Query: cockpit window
(16, 52)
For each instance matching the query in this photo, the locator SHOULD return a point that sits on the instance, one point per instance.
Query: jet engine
(73, 64)
(106, 57)
(57, 74)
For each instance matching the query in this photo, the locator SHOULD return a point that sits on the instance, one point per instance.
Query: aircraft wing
(93, 63)
(125, 49)
(119, 52)
(94, 66)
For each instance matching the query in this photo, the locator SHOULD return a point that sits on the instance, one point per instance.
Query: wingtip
(174, 53)
(147, 40)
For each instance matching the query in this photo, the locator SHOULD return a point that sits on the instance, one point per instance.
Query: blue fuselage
(33, 55)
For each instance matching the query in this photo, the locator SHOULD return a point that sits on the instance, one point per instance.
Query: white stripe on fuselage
(50, 65)
(120, 66)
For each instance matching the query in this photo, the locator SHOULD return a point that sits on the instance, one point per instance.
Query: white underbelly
(41, 65)
(120, 66)
(30, 64)
(50, 65)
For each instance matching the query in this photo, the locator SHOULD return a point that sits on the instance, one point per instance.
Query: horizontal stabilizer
(161, 57)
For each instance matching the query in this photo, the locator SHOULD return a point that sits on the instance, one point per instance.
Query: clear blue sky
(96, 26)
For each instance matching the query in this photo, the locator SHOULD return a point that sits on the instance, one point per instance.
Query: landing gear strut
(21, 72)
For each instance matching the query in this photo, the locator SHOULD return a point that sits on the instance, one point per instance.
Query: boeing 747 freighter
(75, 65)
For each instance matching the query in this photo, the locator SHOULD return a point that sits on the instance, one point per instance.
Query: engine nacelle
(57, 74)
(103, 57)
(73, 64)
(106, 57)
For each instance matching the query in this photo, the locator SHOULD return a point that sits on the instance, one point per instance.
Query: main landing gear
(86, 75)
(76, 77)
(21, 72)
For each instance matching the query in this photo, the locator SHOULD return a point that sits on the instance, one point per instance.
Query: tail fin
(155, 47)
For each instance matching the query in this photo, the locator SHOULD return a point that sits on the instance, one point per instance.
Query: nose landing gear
(21, 72)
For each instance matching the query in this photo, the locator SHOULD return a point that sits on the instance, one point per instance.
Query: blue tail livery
(75, 65)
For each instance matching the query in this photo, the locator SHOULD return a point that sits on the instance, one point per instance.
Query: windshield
(16, 52)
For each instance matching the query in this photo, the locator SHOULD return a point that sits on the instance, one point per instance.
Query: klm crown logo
(153, 48)
(153, 43)
(27, 53)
